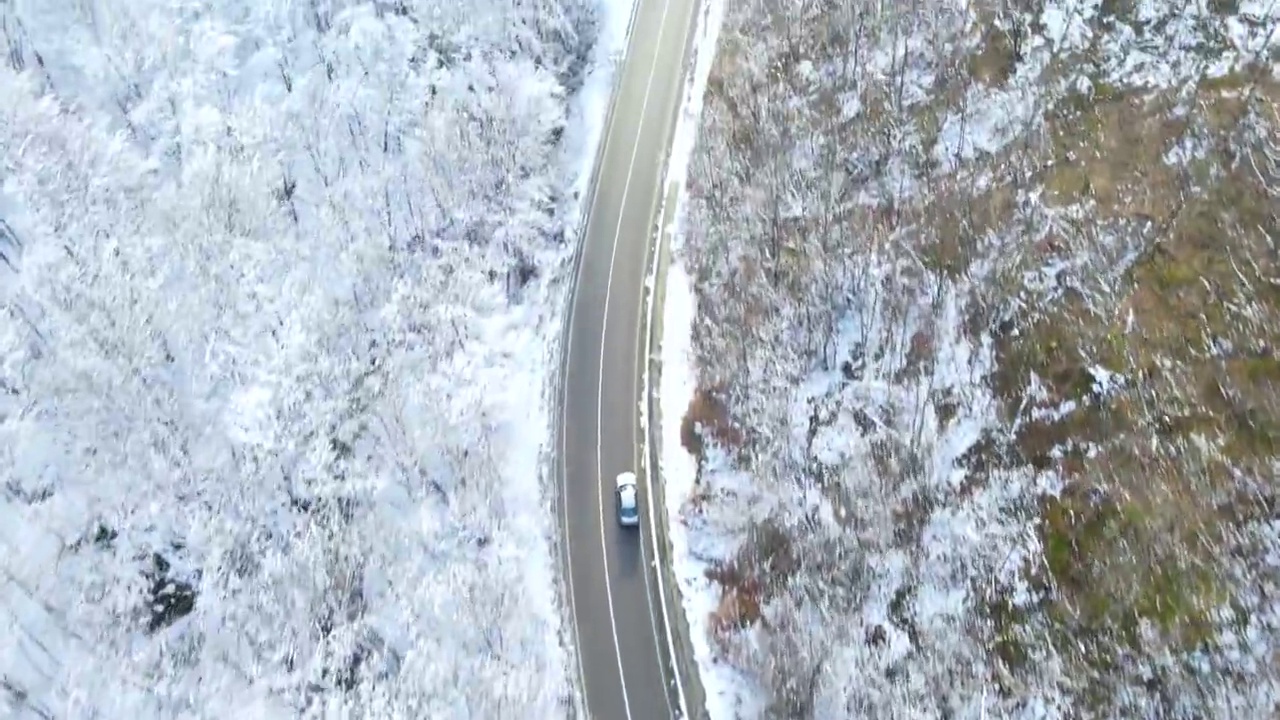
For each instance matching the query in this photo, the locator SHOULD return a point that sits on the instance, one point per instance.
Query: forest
(988, 396)
(268, 271)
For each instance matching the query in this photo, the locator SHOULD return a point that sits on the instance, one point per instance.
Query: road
(622, 648)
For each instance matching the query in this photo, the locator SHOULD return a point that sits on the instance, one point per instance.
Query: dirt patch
(1107, 146)
(707, 420)
(761, 568)
(1000, 49)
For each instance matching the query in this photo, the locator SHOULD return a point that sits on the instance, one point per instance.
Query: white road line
(645, 341)
(653, 530)
(564, 504)
(659, 200)
(568, 355)
(660, 230)
(604, 333)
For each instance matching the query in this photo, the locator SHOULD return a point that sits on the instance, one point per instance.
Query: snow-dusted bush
(264, 267)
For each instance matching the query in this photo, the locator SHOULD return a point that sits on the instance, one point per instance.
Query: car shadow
(630, 555)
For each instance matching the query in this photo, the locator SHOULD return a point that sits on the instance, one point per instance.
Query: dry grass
(761, 569)
(1134, 545)
(707, 419)
(998, 55)
(1172, 290)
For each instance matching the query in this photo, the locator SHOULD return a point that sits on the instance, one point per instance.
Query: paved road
(622, 647)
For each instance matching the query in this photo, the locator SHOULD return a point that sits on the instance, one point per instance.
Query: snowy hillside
(989, 402)
(274, 292)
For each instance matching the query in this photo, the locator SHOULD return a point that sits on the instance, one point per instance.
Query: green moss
(1114, 351)
(1133, 573)
(1075, 129)
(1104, 592)
(1009, 624)
(1067, 183)
(1169, 274)
(1076, 121)
(1255, 435)
(1176, 600)
(995, 63)
(1117, 9)
(1059, 554)
(1105, 92)
(1078, 533)
(1201, 171)
(1262, 369)
(929, 124)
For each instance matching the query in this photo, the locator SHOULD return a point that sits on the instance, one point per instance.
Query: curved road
(622, 648)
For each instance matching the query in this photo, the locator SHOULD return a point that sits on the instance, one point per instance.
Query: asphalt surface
(622, 648)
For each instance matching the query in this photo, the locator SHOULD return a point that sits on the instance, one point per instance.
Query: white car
(628, 500)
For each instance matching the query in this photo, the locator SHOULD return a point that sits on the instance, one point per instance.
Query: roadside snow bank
(686, 134)
(728, 693)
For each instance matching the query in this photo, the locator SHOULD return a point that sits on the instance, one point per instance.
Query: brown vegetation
(1137, 376)
(708, 419)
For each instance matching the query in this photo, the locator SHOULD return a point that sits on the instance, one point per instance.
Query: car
(628, 500)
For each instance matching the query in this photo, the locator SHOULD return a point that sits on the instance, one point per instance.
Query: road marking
(620, 68)
(653, 529)
(647, 342)
(604, 334)
(568, 550)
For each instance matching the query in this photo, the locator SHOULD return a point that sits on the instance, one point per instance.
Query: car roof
(626, 478)
(628, 496)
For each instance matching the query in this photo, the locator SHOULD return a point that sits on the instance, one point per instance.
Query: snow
(888, 474)
(682, 699)
(728, 695)
(591, 108)
(990, 120)
(726, 692)
(270, 346)
(704, 55)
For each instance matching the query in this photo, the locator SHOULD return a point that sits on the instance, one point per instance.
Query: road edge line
(564, 586)
(684, 664)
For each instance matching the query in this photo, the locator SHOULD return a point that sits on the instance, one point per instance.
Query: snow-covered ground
(729, 693)
(726, 691)
(279, 284)
(947, 262)
(591, 107)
